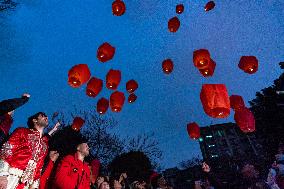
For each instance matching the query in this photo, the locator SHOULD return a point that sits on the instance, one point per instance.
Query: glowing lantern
(201, 58)
(95, 167)
(193, 130)
(132, 98)
(236, 102)
(248, 64)
(131, 86)
(168, 66)
(209, 6)
(78, 123)
(118, 8)
(215, 100)
(179, 9)
(173, 24)
(245, 120)
(209, 71)
(116, 101)
(102, 105)
(78, 75)
(113, 78)
(105, 52)
(94, 87)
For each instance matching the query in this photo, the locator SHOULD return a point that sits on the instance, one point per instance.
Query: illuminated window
(209, 136)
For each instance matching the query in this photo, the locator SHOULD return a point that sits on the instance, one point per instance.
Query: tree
(190, 163)
(7, 4)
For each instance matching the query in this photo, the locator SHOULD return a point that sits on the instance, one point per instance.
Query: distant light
(209, 136)
(212, 145)
(200, 139)
(214, 156)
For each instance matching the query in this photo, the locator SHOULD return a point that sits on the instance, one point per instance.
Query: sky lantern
(94, 87)
(116, 101)
(113, 78)
(179, 8)
(193, 130)
(102, 105)
(78, 123)
(105, 52)
(131, 85)
(249, 64)
(173, 24)
(118, 8)
(78, 75)
(236, 102)
(209, 71)
(132, 98)
(209, 6)
(168, 66)
(201, 58)
(95, 168)
(245, 120)
(215, 100)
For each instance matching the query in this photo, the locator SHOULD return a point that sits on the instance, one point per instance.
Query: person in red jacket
(72, 172)
(22, 156)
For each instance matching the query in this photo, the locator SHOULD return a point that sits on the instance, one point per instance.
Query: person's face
(104, 185)
(42, 120)
(116, 185)
(100, 180)
(84, 149)
(162, 181)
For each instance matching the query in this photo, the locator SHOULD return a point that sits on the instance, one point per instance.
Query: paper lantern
(118, 8)
(116, 101)
(102, 105)
(249, 64)
(78, 123)
(168, 66)
(95, 168)
(113, 78)
(179, 8)
(245, 120)
(94, 87)
(173, 24)
(78, 75)
(132, 98)
(131, 85)
(201, 58)
(209, 6)
(215, 100)
(105, 52)
(193, 130)
(236, 102)
(209, 71)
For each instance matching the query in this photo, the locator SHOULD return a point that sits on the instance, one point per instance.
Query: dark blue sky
(41, 40)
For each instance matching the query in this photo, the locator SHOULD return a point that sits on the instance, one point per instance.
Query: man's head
(39, 119)
(83, 149)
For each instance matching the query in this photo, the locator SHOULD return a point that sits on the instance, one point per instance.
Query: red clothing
(44, 179)
(6, 123)
(72, 173)
(24, 153)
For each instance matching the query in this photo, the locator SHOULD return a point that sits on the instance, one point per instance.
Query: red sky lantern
(249, 64)
(193, 130)
(118, 8)
(201, 58)
(209, 71)
(78, 123)
(113, 78)
(168, 66)
(78, 75)
(102, 105)
(209, 6)
(94, 87)
(131, 85)
(245, 120)
(236, 102)
(116, 101)
(179, 8)
(173, 24)
(132, 98)
(95, 168)
(215, 100)
(105, 52)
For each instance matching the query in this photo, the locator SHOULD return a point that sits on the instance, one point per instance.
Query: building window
(208, 136)
(211, 145)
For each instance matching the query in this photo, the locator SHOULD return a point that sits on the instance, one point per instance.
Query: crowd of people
(27, 161)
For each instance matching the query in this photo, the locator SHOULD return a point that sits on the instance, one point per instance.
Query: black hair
(30, 122)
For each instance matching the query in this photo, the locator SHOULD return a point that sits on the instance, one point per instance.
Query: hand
(3, 182)
(54, 129)
(205, 167)
(122, 177)
(11, 113)
(53, 155)
(26, 95)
